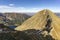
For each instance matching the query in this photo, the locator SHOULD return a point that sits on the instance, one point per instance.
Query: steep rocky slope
(45, 21)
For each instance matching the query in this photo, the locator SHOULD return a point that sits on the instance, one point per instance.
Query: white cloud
(11, 4)
(4, 8)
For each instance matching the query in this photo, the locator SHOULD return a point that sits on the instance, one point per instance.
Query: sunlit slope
(55, 32)
(38, 22)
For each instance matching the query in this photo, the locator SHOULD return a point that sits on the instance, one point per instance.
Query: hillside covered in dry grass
(45, 21)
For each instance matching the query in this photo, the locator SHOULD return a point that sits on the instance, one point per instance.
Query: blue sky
(29, 5)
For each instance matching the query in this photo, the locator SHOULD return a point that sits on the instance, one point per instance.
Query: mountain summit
(44, 19)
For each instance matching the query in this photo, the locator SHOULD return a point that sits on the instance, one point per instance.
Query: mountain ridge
(40, 21)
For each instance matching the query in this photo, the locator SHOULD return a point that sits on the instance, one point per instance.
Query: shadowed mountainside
(22, 35)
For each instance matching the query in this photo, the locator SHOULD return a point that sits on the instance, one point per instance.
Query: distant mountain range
(13, 18)
(16, 18)
(58, 14)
